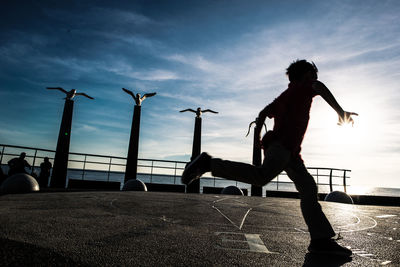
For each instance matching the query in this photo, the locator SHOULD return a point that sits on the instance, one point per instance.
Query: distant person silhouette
(17, 165)
(282, 148)
(45, 168)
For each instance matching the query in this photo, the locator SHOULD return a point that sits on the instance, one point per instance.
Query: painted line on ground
(385, 216)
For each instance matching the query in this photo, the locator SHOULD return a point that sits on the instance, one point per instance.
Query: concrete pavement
(176, 229)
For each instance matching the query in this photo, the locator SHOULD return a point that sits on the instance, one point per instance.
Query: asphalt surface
(176, 229)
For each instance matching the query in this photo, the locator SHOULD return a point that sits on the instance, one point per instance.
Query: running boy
(282, 148)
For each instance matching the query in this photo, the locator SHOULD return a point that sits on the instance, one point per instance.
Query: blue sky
(229, 56)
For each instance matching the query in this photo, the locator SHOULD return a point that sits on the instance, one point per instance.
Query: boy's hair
(298, 68)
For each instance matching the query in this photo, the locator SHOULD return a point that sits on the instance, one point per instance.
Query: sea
(209, 181)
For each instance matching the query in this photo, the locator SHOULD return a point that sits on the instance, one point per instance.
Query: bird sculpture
(138, 98)
(199, 111)
(70, 94)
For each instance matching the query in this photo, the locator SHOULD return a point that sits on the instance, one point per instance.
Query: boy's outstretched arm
(325, 93)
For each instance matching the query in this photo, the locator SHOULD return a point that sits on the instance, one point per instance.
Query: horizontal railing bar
(90, 155)
(326, 168)
(27, 147)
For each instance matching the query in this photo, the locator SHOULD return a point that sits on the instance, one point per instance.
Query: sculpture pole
(256, 190)
(133, 149)
(59, 174)
(60, 167)
(194, 187)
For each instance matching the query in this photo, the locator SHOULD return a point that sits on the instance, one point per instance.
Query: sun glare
(344, 134)
(359, 190)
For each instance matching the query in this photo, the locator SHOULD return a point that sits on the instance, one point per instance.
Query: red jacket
(291, 113)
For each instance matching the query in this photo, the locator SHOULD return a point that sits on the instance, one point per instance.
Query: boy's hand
(346, 118)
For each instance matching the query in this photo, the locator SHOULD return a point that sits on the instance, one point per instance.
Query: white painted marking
(366, 255)
(112, 202)
(350, 224)
(301, 231)
(253, 241)
(359, 251)
(234, 224)
(221, 199)
(361, 229)
(386, 216)
(244, 218)
(226, 217)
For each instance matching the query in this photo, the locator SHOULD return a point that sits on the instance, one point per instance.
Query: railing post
(330, 180)
(151, 171)
(277, 182)
(175, 173)
(317, 177)
(344, 181)
(34, 160)
(2, 153)
(83, 170)
(109, 169)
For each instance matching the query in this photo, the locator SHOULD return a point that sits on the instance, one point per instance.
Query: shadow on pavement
(324, 260)
(16, 253)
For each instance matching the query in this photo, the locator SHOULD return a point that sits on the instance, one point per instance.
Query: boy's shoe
(196, 168)
(328, 246)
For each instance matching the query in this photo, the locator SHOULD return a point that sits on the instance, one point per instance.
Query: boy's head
(301, 69)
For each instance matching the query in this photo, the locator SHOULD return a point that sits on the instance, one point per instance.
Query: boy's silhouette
(282, 148)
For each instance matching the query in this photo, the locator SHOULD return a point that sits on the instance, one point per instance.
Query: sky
(228, 56)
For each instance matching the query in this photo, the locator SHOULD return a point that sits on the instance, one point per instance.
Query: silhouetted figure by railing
(59, 175)
(256, 190)
(133, 150)
(45, 168)
(196, 149)
(282, 147)
(18, 165)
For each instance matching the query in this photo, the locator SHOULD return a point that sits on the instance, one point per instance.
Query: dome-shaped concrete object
(232, 190)
(19, 183)
(134, 185)
(338, 196)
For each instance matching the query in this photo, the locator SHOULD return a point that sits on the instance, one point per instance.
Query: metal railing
(112, 168)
